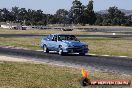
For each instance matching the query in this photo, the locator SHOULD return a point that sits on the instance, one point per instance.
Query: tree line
(78, 14)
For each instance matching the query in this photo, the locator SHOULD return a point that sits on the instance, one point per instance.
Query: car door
(49, 42)
(54, 43)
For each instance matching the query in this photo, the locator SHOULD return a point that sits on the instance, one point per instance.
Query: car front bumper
(76, 50)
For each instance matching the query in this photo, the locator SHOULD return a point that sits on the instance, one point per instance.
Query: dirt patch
(13, 58)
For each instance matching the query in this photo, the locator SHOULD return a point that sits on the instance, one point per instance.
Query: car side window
(55, 38)
(50, 37)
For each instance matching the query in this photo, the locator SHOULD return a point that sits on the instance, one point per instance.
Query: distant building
(11, 26)
(24, 27)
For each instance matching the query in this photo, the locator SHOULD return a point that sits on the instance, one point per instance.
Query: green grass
(104, 26)
(100, 46)
(29, 75)
(30, 43)
(110, 46)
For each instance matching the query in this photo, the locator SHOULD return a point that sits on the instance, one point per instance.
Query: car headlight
(85, 46)
(69, 45)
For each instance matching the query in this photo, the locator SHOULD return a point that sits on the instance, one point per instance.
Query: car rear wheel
(45, 49)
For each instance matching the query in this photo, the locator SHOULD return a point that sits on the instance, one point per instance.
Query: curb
(107, 55)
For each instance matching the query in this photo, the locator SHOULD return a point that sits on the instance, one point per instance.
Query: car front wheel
(60, 51)
(45, 49)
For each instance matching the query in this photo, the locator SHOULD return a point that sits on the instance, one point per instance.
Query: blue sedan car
(63, 44)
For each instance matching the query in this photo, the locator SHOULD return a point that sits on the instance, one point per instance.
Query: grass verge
(110, 46)
(29, 75)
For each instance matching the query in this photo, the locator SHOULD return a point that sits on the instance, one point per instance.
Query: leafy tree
(114, 17)
(38, 15)
(23, 15)
(0, 15)
(5, 15)
(76, 11)
(70, 17)
(15, 11)
(44, 19)
(91, 17)
(35, 16)
(84, 16)
(62, 16)
(27, 23)
(51, 19)
(99, 19)
(78, 14)
(117, 17)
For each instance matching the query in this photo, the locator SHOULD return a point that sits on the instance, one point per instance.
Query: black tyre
(45, 49)
(60, 51)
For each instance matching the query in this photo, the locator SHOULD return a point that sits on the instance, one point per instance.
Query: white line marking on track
(39, 50)
(122, 56)
(105, 55)
(92, 54)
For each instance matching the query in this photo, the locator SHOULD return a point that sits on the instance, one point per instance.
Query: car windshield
(67, 37)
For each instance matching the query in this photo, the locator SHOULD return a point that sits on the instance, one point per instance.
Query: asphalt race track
(110, 64)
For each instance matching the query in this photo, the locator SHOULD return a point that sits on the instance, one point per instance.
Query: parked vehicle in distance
(63, 44)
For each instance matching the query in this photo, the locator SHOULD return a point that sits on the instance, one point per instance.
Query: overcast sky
(50, 6)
